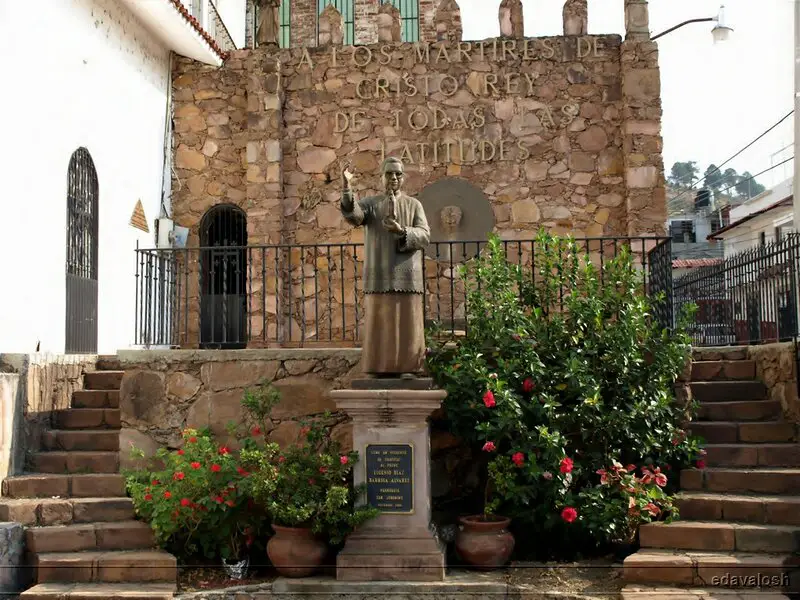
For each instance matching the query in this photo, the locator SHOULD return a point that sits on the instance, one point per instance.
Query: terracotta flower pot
(296, 551)
(484, 543)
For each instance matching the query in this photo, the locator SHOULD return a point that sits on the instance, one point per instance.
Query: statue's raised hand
(347, 176)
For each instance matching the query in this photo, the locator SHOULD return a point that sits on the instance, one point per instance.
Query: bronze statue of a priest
(396, 233)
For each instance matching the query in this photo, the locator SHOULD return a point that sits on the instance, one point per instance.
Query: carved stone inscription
(390, 469)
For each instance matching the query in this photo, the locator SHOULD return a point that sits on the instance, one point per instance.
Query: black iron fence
(284, 295)
(749, 298)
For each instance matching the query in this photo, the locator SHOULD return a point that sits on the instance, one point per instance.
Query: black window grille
(347, 9)
(81, 254)
(223, 277)
(409, 18)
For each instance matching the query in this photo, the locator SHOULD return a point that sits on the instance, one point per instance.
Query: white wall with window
(95, 78)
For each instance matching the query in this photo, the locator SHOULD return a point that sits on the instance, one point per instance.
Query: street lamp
(721, 31)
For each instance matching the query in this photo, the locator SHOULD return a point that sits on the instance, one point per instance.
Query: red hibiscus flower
(323, 470)
(192, 440)
(148, 496)
(342, 459)
(180, 452)
(215, 468)
(489, 447)
(566, 465)
(256, 430)
(178, 476)
(652, 509)
(195, 465)
(185, 502)
(488, 399)
(527, 385)
(167, 495)
(155, 482)
(700, 464)
(518, 459)
(569, 514)
(242, 472)
(224, 450)
(218, 499)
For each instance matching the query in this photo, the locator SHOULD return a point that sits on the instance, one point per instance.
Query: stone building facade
(515, 133)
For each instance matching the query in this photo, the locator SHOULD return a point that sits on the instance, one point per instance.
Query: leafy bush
(564, 373)
(197, 499)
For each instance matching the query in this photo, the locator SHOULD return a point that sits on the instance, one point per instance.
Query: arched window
(223, 278)
(285, 16)
(346, 8)
(81, 263)
(409, 18)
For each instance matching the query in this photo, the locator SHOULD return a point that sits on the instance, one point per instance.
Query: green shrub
(558, 376)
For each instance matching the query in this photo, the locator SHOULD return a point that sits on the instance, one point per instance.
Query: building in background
(761, 220)
(88, 137)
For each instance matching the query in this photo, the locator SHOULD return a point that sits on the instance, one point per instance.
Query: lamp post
(721, 31)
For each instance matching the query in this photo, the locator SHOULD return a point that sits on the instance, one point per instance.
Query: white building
(763, 219)
(86, 130)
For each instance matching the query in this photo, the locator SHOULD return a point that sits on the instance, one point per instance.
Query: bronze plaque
(457, 211)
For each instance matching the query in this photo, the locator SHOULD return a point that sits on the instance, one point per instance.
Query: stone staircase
(739, 531)
(81, 536)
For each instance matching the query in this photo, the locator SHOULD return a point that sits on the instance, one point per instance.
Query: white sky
(716, 98)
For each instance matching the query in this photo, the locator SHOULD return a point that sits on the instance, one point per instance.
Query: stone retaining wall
(165, 391)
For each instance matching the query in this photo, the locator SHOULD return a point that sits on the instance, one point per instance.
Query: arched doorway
(223, 278)
(81, 259)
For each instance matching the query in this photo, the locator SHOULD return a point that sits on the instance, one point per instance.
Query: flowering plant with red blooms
(197, 499)
(562, 369)
(623, 500)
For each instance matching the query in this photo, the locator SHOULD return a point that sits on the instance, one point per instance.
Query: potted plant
(304, 489)
(484, 541)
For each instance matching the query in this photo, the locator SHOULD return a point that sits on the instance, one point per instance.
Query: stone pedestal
(392, 437)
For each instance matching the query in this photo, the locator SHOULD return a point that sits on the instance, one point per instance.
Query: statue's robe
(394, 336)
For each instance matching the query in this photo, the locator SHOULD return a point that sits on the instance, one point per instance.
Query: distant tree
(748, 187)
(714, 178)
(683, 174)
(729, 180)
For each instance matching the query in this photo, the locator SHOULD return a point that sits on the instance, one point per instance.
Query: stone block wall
(557, 132)
(165, 391)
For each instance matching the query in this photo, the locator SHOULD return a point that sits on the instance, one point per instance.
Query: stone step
(121, 566)
(95, 399)
(65, 511)
(744, 410)
(661, 592)
(728, 391)
(720, 536)
(121, 535)
(47, 485)
(724, 370)
(109, 362)
(719, 353)
(718, 570)
(81, 439)
(100, 591)
(102, 380)
(748, 480)
(87, 418)
(769, 510)
(753, 455)
(75, 462)
(731, 432)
